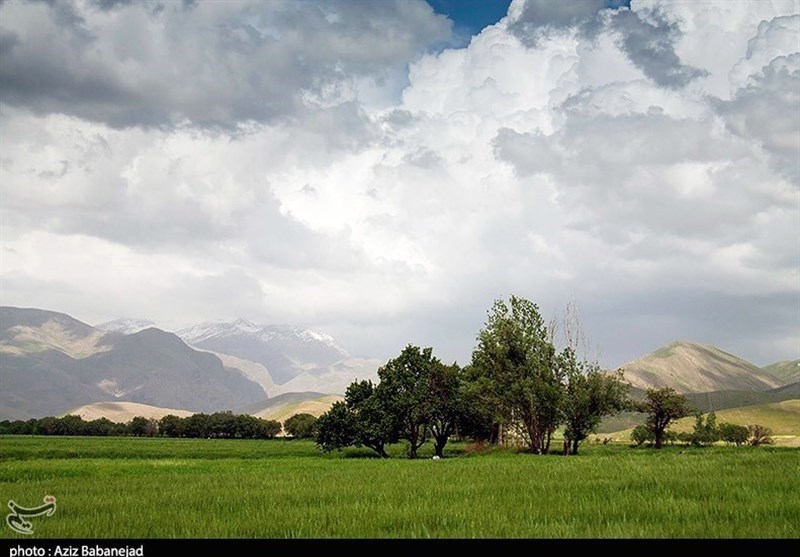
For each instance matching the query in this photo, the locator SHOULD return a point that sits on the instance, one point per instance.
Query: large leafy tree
(480, 418)
(405, 391)
(663, 406)
(361, 420)
(514, 371)
(336, 428)
(446, 403)
(376, 426)
(589, 394)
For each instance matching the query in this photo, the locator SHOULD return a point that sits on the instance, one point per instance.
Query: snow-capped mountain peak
(214, 329)
(125, 325)
(284, 350)
(316, 336)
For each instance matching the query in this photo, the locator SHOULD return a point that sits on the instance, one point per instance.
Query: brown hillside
(696, 368)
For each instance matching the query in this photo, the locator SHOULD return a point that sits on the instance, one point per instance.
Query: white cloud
(660, 197)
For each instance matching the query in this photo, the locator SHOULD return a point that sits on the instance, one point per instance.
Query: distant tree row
(707, 432)
(218, 425)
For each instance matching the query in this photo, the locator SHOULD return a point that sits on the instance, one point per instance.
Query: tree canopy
(663, 406)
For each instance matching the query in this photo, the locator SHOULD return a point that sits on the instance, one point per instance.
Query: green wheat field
(178, 488)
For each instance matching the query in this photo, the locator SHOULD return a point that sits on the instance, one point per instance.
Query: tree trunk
(378, 448)
(659, 439)
(438, 448)
(565, 448)
(575, 446)
(494, 435)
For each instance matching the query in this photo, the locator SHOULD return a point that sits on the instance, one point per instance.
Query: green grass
(143, 488)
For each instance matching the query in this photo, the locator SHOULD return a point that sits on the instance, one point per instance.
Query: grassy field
(143, 488)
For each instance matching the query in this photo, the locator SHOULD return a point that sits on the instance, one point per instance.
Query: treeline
(222, 425)
(706, 432)
(525, 380)
(517, 385)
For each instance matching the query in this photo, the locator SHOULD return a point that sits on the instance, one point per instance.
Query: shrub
(642, 434)
(301, 426)
(760, 435)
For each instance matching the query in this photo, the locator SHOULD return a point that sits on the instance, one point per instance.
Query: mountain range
(51, 363)
(280, 358)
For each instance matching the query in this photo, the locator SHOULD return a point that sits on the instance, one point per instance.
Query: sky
(382, 171)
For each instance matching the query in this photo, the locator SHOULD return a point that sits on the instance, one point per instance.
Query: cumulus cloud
(325, 168)
(206, 63)
(645, 35)
(766, 85)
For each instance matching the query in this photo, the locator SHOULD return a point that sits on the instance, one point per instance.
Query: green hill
(787, 371)
(782, 417)
(721, 400)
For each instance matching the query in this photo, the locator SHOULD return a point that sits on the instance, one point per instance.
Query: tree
(301, 426)
(171, 426)
(589, 394)
(515, 371)
(732, 433)
(46, 426)
(196, 426)
(446, 403)
(376, 426)
(246, 427)
(760, 435)
(337, 428)
(100, 427)
(17, 427)
(479, 418)
(405, 392)
(266, 429)
(705, 431)
(222, 425)
(641, 434)
(71, 425)
(662, 406)
(361, 420)
(142, 427)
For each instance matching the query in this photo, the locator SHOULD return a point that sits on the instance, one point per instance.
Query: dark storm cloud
(110, 4)
(742, 325)
(215, 64)
(647, 39)
(651, 48)
(539, 16)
